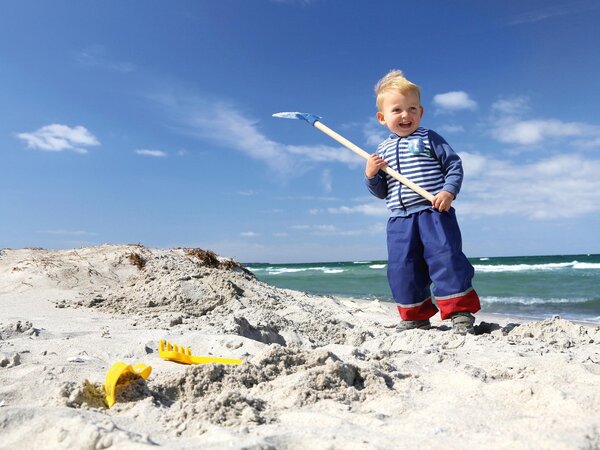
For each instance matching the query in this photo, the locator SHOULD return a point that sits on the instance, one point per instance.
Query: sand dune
(318, 372)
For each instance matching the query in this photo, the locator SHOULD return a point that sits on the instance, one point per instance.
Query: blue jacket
(423, 157)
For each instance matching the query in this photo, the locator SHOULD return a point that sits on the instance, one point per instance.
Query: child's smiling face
(400, 112)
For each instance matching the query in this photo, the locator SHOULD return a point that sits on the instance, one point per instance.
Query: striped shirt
(423, 157)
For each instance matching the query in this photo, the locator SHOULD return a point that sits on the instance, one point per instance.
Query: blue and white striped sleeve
(450, 162)
(377, 185)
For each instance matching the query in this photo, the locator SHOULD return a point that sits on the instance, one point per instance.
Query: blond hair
(394, 80)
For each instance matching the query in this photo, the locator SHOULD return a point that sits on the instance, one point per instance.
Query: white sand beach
(317, 372)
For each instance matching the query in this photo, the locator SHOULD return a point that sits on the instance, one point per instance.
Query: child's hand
(442, 201)
(374, 165)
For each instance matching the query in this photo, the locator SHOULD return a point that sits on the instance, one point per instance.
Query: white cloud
(326, 180)
(473, 163)
(452, 128)
(454, 101)
(561, 186)
(95, 56)
(313, 227)
(374, 133)
(57, 138)
(368, 209)
(548, 12)
(515, 106)
(507, 124)
(332, 230)
(325, 228)
(153, 153)
(249, 234)
(307, 198)
(322, 153)
(223, 124)
(591, 143)
(528, 132)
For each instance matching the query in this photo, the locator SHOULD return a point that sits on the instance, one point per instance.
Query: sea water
(537, 287)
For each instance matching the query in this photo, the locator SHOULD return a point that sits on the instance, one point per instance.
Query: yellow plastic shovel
(183, 355)
(116, 371)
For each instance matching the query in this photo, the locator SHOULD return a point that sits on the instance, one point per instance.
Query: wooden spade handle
(360, 152)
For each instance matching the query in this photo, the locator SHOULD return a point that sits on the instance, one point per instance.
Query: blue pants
(426, 247)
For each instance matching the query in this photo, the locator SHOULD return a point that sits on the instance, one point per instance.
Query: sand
(318, 372)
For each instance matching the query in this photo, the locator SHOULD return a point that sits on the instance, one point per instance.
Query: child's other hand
(442, 201)
(374, 165)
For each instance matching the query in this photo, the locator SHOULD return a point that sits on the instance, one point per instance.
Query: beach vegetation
(137, 260)
(211, 259)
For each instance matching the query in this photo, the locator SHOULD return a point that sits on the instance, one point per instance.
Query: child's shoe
(413, 325)
(462, 323)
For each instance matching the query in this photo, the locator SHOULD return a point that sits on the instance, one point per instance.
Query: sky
(151, 122)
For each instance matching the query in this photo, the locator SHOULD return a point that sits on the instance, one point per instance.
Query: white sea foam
(484, 259)
(530, 300)
(579, 265)
(282, 270)
(361, 262)
(377, 266)
(534, 267)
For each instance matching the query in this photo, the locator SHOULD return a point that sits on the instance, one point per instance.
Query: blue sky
(150, 122)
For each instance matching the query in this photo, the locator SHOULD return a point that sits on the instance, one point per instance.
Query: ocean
(536, 287)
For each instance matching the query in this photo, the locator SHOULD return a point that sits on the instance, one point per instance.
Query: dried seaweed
(211, 259)
(137, 260)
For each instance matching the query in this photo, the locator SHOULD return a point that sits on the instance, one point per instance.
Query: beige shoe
(462, 323)
(413, 325)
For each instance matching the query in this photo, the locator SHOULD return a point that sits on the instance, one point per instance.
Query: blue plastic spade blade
(310, 118)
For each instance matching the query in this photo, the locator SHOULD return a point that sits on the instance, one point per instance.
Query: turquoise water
(530, 286)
